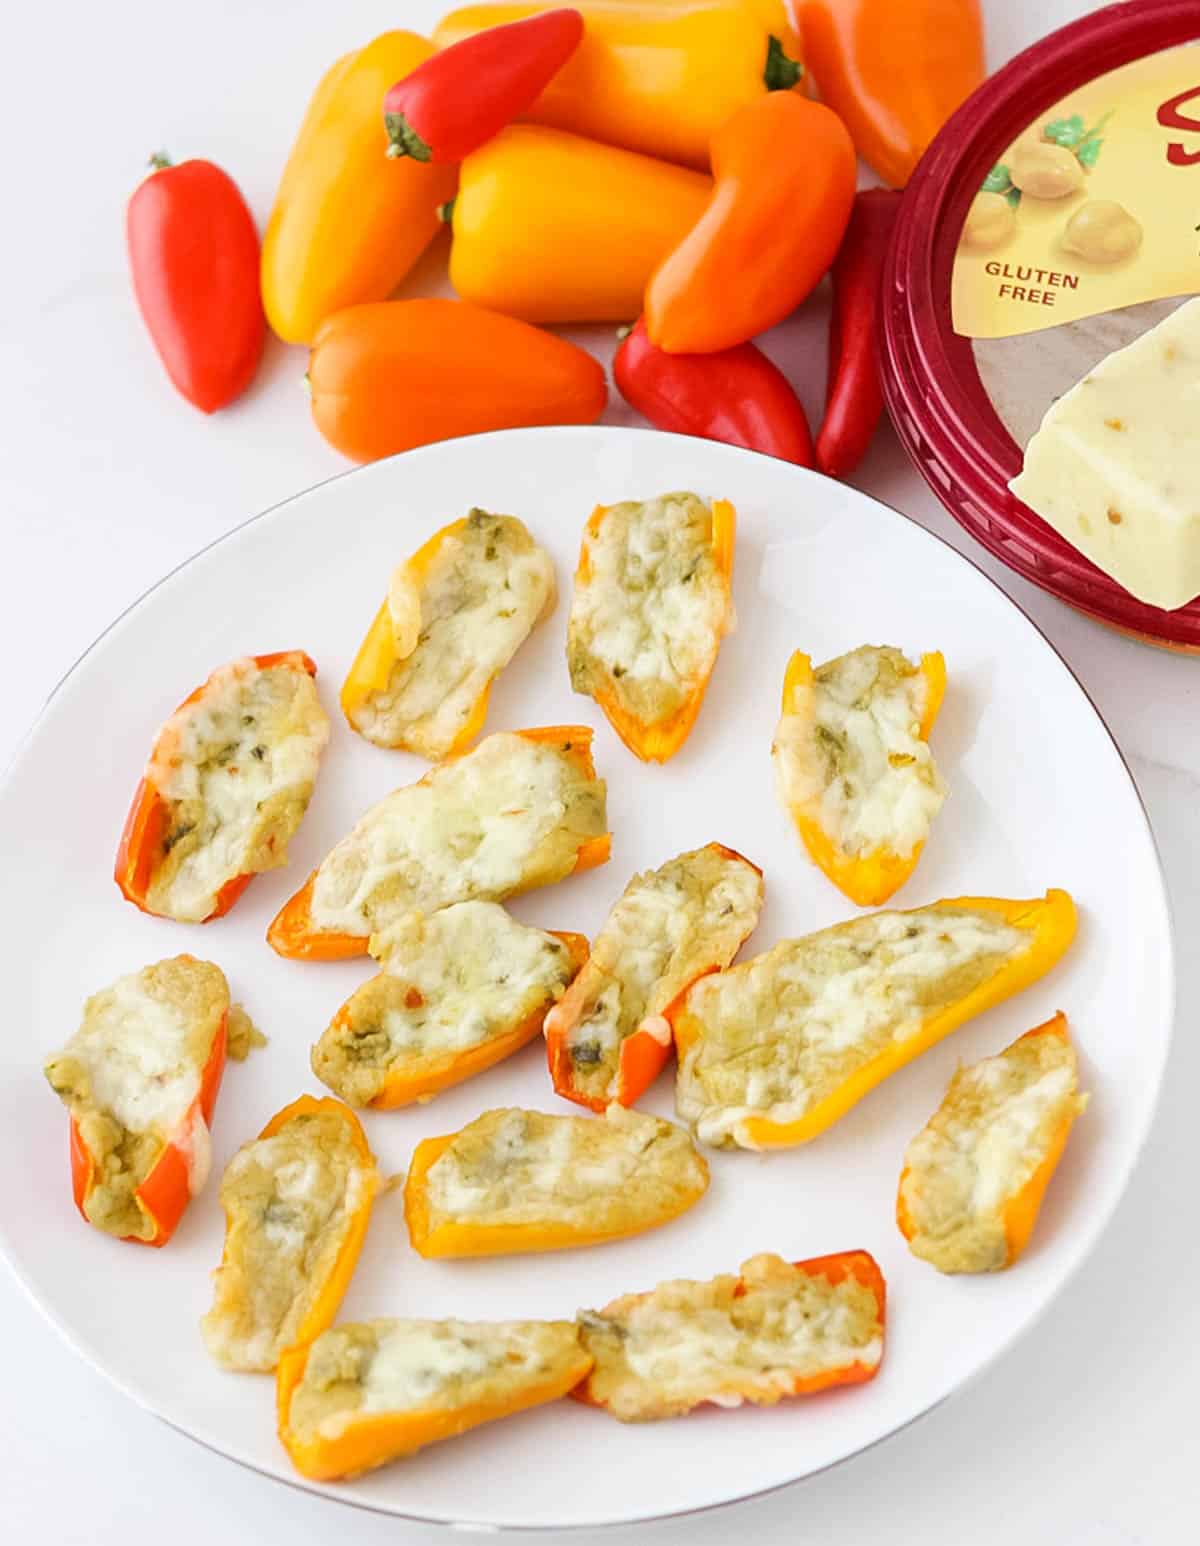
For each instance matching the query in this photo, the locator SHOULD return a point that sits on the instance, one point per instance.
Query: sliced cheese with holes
(1115, 466)
(236, 765)
(510, 815)
(1000, 1122)
(291, 1201)
(576, 1179)
(452, 982)
(773, 1331)
(457, 622)
(131, 1076)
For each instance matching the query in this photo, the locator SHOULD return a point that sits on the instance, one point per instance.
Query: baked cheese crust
(850, 752)
(236, 767)
(130, 1076)
(670, 924)
(752, 1338)
(998, 1124)
(466, 616)
(582, 1176)
(650, 606)
(510, 815)
(478, 1370)
(781, 1032)
(451, 982)
(290, 1202)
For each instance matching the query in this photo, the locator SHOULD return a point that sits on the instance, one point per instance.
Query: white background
(1086, 1432)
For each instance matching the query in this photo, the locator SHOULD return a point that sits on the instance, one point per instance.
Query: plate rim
(1100, 1228)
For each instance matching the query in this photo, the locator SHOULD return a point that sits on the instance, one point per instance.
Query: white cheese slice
(1115, 466)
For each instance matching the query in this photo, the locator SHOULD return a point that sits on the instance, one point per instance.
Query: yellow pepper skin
(868, 879)
(657, 76)
(1051, 922)
(348, 223)
(371, 1439)
(549, 227)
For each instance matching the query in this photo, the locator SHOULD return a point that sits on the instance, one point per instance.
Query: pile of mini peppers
(661, 166)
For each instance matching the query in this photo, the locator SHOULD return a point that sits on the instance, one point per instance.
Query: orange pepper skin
(1021, 1211)
(834, 1268)
(348, 223)
(893, 71)
(868, 879)
(743, 266)
(165, 1193)
(140, 849)
(293, 934)
(436, 1073)
(372, 1439)
(398, 374)
(551, 227)
(659, 78)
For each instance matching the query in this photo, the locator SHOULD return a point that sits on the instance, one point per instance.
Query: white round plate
(1039, 797)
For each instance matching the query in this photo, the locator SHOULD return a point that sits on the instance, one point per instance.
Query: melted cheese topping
(728, 1340)
(614, 1176)
(131, 1076)
(236, 767)
(452, 981)
(993, 1130)
(290, 1201)
(782, 1032)
(670, 925)
(849, 753)
(415, 1366)
(510, 815)
(475, 605)
(648, 619)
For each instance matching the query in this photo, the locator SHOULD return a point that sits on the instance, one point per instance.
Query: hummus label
(1094, 207)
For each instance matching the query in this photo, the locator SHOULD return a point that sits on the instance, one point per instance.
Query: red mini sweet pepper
(461, 97)
(854, 397)
(193, 255)
(736, 395)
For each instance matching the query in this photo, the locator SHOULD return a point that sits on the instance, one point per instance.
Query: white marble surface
(1085, 1433)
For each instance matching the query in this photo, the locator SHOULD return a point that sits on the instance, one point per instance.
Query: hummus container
(1054, 221)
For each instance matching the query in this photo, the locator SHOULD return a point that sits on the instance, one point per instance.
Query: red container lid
(938, 403)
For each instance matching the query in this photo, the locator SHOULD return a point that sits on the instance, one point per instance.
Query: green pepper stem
(159, 161)
(403, 139)
(781, 73)
(445, 212)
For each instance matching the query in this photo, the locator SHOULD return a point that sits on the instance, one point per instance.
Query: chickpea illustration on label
(1047, 164)
(1102, 231)
(990, 221)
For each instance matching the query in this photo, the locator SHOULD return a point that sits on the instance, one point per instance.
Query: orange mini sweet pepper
(655, 77)
(893, 71)
(784, 175)
(348, 223)
(164, 1195)
(398, 374)
(146, 839)
(293, 932)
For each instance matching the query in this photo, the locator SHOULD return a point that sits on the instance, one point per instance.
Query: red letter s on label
(1170, 117)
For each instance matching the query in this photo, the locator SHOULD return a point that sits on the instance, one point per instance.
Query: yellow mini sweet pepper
(868, 878)
(550, 227)
(348, 223)
(1048, 922)
(653, 76)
